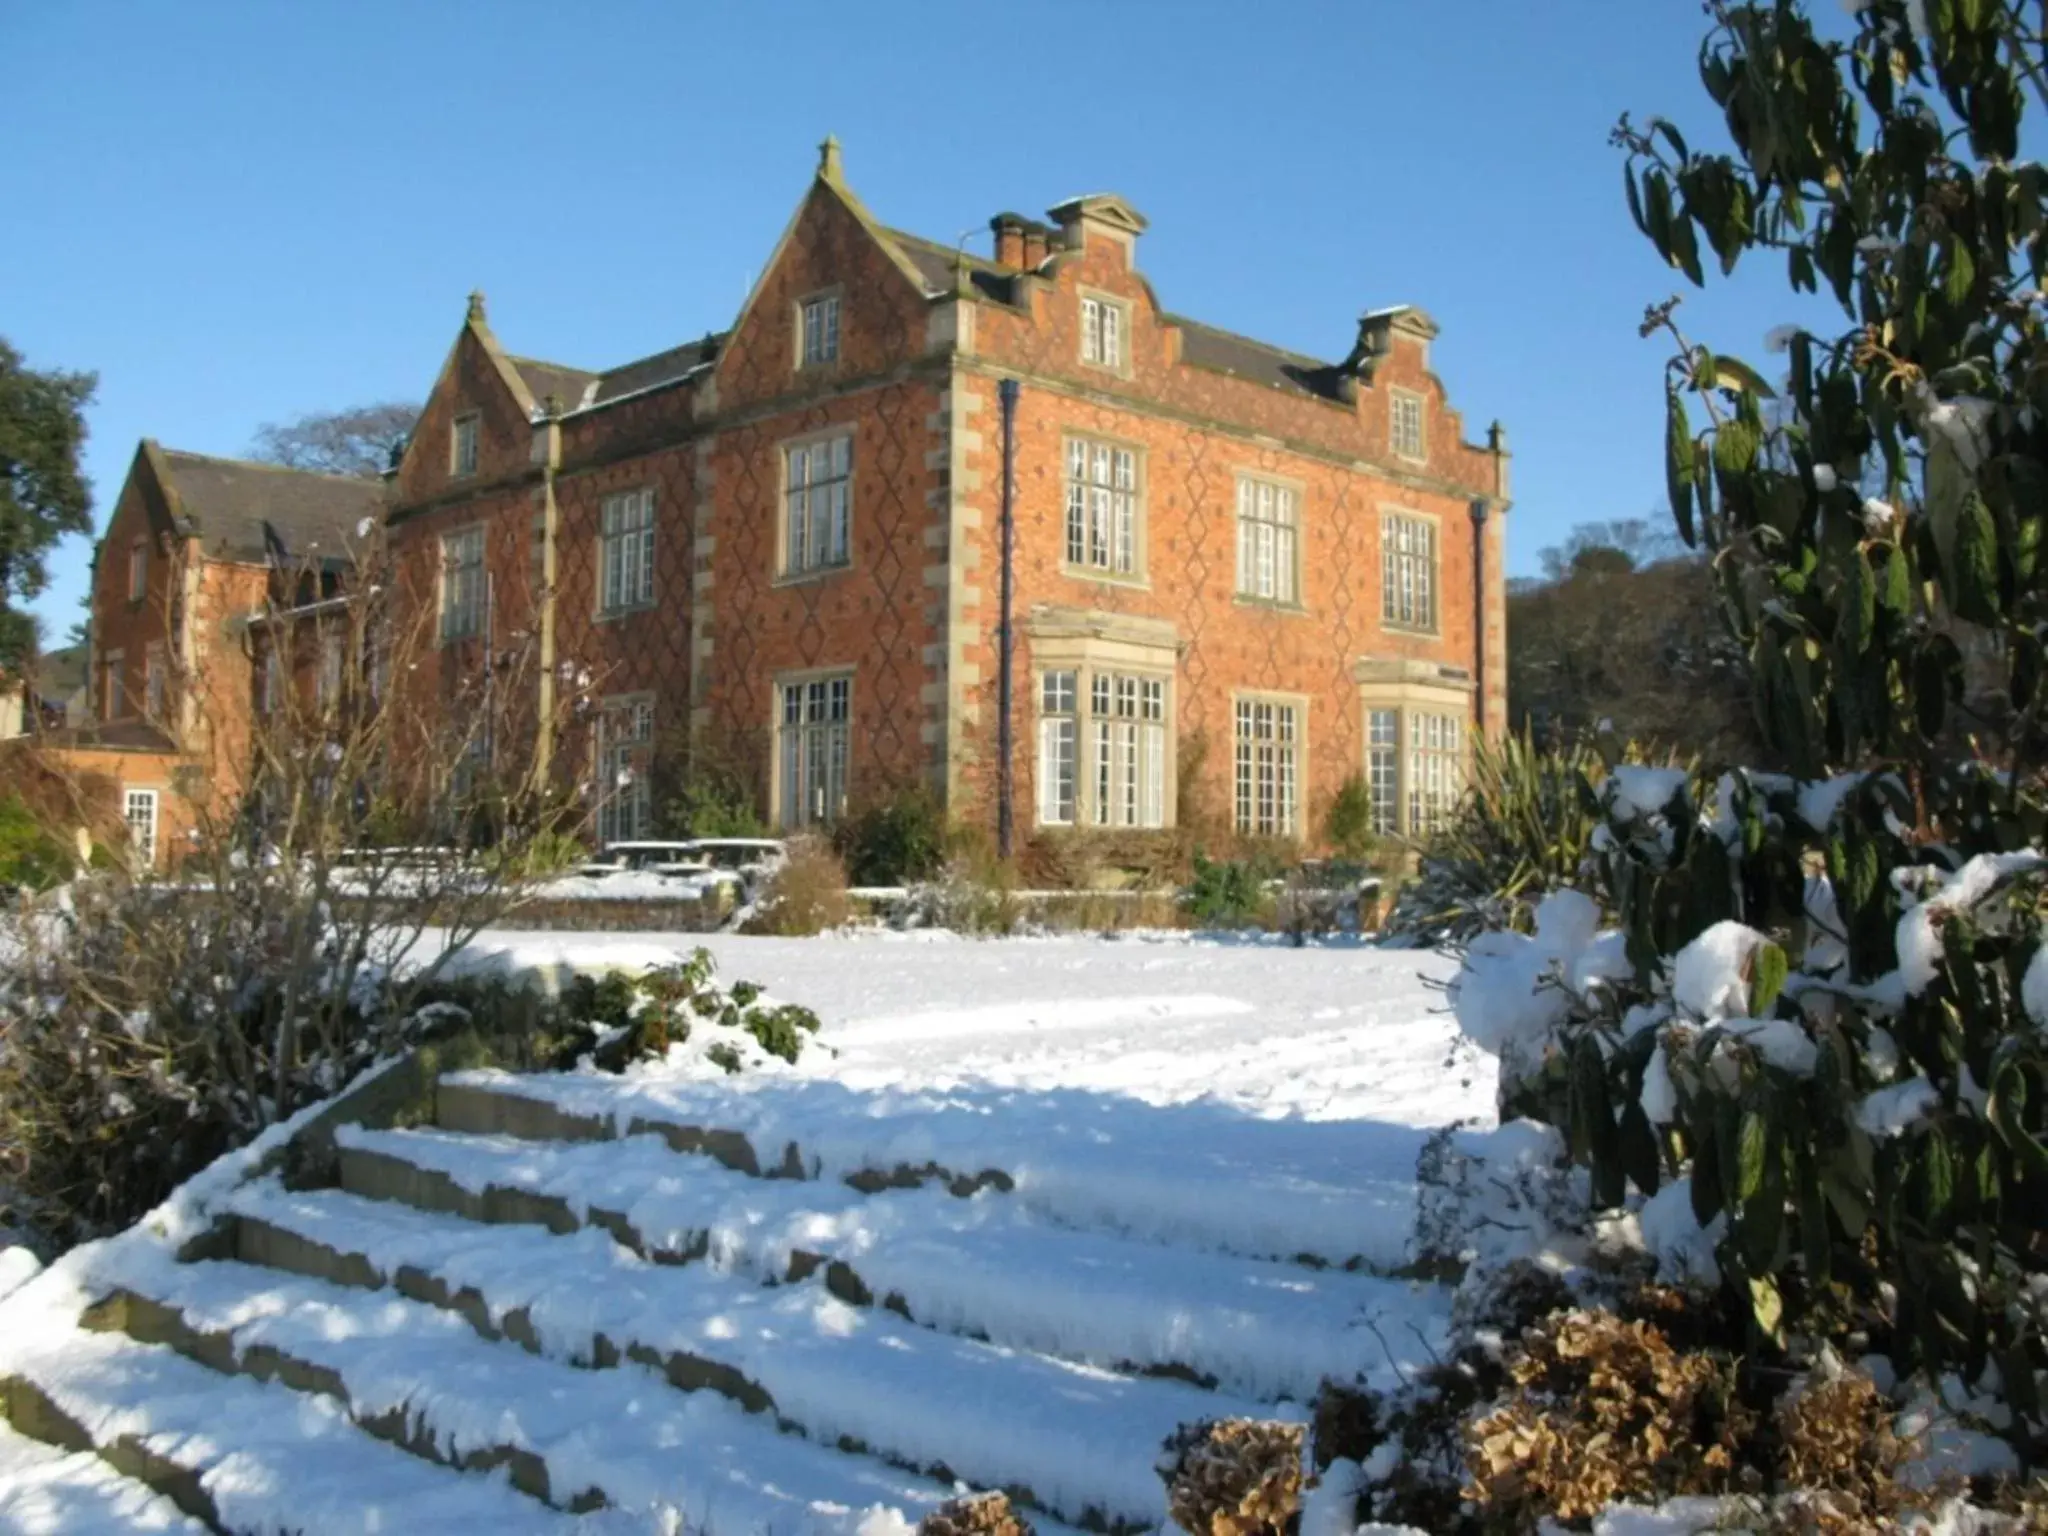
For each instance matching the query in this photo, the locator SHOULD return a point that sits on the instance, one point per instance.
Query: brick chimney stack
(1037, 245)
(1009, 231)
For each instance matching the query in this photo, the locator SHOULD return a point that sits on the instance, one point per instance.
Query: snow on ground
(1181, 1117)
(48, 1492)
(1328, 1032)
(1245, 1097)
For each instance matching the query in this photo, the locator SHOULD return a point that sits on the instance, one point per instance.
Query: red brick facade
(632, 530)
(694, 444)
(178, 576)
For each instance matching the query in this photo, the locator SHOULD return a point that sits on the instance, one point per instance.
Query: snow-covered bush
(672, 1013)
(1808, 1049)
(806, 894)
(145, 1030)
(968, 894)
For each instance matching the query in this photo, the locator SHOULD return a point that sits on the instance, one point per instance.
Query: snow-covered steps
(242, 1455)
(1201, 1174)
(622, 1439)
(45, 1489)
(1075, 1440)
(987, 1266)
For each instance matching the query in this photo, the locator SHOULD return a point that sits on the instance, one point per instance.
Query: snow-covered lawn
(1328, 1032)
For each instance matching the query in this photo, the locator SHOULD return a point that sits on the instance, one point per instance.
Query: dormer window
(462, 446)
(1406, 424)
(819, 325)
(1102, 332)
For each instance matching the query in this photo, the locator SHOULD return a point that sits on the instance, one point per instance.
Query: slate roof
(544, 379)
(1204, 346)
(578, 388)
(661, 368)
(60, 673)
(230, 500)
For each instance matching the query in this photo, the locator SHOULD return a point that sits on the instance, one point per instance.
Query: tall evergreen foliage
(1819, 1020)
(42, 494)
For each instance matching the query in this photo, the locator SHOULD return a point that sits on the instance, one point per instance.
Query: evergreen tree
(42, 494)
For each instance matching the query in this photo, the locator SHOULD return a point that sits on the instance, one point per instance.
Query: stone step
(74, 1493)
(1076, 1441)
(580, 1439)
(246, 1456)
(1202, 1174)
(988, 1266)
(490, 1102)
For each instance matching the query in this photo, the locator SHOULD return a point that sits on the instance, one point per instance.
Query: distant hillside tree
(1624, 627)
(361, 441)
(42, 494)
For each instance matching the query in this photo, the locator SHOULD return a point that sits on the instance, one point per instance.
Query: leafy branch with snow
(1796, 1027)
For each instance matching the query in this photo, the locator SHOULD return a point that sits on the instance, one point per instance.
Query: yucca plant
(1523, 829)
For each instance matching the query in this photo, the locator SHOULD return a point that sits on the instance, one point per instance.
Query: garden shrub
(1234, 1477)
(1347, 825)
(1227, 893)
(1602, 1410)
(806, 895)
(32, 856)
(1521, 830)
(1812, 1047)
(895, 839)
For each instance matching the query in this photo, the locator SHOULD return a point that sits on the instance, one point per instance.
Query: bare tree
(1621, 544)
(356, 832)
(363, 441)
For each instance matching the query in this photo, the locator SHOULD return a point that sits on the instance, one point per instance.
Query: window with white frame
(138, 570)
(330, 669)
(1383, 767)
(111, 685)
(626, 557)
(1102, 749)
(1435, 770)
(140, 808)
(1268, 766)
(462, 457)
(155, 679)
(1268, 541)
(1102, 507)
(817, 504)
(1408, 571)
(462, 584)
(1405, 423)
(1129, 751)
(816, 718)
(1102, 332)
(820, 325)
(625, 750)
(1059, 746)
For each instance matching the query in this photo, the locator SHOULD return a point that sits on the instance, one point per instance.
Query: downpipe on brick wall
(1006, 394)
(1479, 514)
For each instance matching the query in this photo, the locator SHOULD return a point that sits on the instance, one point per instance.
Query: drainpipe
(544, 701)
(1479, 514)
(1006, 394)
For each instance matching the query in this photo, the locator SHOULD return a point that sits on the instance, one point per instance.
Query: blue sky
(237, 213)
